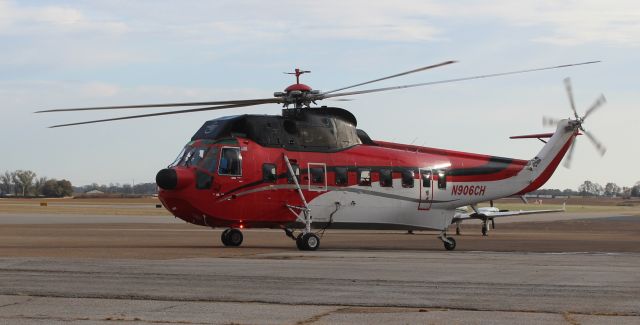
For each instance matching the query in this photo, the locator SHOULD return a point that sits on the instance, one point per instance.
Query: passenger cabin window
(408, 179)
(341, 176)
(385, 178)
(269, 173)
(442, 179)
(364, 177)
(426, 178)
(296, 171)
(230, 162)
(317, 175)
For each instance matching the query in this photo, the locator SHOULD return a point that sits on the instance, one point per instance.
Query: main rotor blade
(322, 96)
(201, 109)
(226, 102)
(601, 148)
(567, 161)
(599, 102)
(567, 85)
(392, 76)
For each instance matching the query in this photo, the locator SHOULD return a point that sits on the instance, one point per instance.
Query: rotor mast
(299, 95)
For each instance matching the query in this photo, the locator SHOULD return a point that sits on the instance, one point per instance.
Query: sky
(59, 54)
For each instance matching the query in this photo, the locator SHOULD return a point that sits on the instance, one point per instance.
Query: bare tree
(39, 185)
(24, 180)
(6, 183)
(635, 190)
(590, 188)
(612, 189)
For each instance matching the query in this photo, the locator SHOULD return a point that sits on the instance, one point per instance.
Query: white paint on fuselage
(397, 206)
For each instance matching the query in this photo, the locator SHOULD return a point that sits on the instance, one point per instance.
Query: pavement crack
(17, 303)
(569, 318)
(317, 317)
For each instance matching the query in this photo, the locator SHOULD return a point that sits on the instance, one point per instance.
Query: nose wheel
(232, 237)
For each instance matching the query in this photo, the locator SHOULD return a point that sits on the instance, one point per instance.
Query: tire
(451, 246)
(234, 237)
(484, 230)
(299, 243)
(310, 241)
(224, 237)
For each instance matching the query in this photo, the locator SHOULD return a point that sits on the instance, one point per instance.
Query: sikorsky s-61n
(311, 169)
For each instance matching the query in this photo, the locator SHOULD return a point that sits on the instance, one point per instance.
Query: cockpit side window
(230, 162)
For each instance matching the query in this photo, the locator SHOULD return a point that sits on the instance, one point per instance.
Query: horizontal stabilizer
(532, 136)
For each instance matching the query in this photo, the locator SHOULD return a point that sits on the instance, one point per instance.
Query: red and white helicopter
(311, 168)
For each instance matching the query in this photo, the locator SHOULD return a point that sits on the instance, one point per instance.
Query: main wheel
(450, 246)
(299, 243)
(224, 237)
(308, 242)
(485, 230)
(232, 237)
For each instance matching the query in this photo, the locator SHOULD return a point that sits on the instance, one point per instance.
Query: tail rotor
(577, 123)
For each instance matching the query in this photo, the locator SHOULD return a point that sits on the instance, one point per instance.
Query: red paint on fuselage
(249, 201)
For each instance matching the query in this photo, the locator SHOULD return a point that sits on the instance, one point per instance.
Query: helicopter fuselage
(232, 180)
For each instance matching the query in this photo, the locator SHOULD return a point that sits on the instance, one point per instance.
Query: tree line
(26, 183)
(589, 188)
(117, 188)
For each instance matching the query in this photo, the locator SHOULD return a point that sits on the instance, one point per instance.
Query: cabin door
(426, 189)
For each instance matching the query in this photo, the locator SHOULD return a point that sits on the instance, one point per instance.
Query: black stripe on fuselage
(493, 166)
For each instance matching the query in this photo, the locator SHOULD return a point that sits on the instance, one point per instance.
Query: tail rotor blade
(597, 104)
(567, 85)
(599, 146)
(567, 161)
(549, 121)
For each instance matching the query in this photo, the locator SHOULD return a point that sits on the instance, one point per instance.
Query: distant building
(94, 192)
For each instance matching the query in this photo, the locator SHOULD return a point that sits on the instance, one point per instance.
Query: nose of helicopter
(173, 179)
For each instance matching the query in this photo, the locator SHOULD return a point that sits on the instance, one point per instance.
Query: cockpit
(209, 158)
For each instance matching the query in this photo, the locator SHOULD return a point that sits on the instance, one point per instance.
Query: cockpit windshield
(200, 155)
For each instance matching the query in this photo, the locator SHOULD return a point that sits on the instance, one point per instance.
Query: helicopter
(311, 168)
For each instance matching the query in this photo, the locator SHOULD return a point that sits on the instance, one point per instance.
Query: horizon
(100, 53)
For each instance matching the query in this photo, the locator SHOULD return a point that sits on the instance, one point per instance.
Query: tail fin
(547, 160)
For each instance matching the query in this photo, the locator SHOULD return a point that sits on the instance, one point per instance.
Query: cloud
(564, 22)
(18, 19)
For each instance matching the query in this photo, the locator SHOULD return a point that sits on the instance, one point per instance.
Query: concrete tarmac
(105, 271)
(296, 287)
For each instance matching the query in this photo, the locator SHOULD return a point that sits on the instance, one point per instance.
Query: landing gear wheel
(232, 237)
(223, 237)
(485, 229)
(450, 246)
(308, 242)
